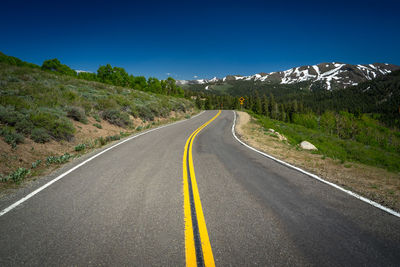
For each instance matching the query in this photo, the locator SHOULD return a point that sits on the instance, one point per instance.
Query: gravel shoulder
(374, 183)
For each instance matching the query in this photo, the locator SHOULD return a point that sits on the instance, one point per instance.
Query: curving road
(127, 207)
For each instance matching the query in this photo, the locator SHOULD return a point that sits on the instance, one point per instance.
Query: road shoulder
(373, 183)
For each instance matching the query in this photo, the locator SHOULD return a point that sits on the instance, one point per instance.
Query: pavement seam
(351, 193)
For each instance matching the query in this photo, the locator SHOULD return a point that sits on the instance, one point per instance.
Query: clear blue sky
(201, 38)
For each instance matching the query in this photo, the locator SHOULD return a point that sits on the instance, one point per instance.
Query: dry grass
(374, 183)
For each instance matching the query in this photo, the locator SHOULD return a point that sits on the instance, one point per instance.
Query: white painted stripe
(373, 203)
(4, 211)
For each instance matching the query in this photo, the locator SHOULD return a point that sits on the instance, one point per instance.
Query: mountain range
(329, 76)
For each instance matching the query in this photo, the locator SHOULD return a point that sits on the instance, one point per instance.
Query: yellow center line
(190, 248)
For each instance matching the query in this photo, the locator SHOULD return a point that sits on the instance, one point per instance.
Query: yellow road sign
(241, 99)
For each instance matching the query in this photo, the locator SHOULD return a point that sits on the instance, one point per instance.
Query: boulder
(307, 146)
(271, 130)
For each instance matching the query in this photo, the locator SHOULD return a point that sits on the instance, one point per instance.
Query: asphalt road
(126, 207)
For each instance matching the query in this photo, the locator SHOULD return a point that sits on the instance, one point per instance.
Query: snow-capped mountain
(328, 75)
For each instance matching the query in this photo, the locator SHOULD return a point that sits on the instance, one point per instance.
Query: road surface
(131, 206)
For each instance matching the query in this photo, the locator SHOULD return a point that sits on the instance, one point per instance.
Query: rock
(271, 130)
(281, 137)
(307, 146)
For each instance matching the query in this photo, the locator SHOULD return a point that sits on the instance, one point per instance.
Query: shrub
(80, 147)
(112, 138)
(77, 113)
(40, 135)
(307, 120)
(101, 140)
(116, 117)
(11, 137)
(139, 128)
(57, 126)
(98, 125)
(145, 113)
(24, 126)
(8, 115)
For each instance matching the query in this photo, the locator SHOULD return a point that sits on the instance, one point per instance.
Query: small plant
(124, 134)
(101, 140)
(36, 164)
(58, 160)
(97, 118)
(139, 128)
(98, 125)
(187, 116)
(17, 176)
(40, 135)
(80, 147)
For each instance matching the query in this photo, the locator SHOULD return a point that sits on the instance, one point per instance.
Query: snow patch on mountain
(330, 75)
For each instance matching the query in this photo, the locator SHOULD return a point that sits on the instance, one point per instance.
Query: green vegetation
(342, 136)
(98, 125)
(39, 102)
(80, 147)
(16, 176)
(58, 160)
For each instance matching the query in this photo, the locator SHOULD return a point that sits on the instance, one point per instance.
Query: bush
(57, 126)
(101, 140)
(80, 147)
(98, 125)
(9, 116)
(116, 117)
(112, 138)
(77, 113)
(40, 135)
(11, 137)
(24, 126)
(307, 120)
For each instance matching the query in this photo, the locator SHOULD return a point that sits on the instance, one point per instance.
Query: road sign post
(241, 100)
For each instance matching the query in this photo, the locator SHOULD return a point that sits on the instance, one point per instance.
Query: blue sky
(201, 38)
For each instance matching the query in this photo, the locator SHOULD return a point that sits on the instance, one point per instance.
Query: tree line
(105, 74)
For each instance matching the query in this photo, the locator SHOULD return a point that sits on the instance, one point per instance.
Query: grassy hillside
(343, 137)
(39, 107)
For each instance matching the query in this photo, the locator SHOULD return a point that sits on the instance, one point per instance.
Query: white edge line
(12, 206)
(373, 203)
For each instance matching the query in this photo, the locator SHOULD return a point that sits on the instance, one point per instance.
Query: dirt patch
(28, 152)
(374, 183)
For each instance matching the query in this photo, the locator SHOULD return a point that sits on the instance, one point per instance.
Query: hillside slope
(44, 114)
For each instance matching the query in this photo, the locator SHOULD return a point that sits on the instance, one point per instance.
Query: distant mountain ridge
(326, 75)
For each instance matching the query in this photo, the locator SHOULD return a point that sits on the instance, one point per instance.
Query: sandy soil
(374, 183)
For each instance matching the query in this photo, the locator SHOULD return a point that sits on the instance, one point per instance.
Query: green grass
(40, 105)
(345, 150)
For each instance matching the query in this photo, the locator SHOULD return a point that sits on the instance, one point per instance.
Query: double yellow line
(197, 243)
